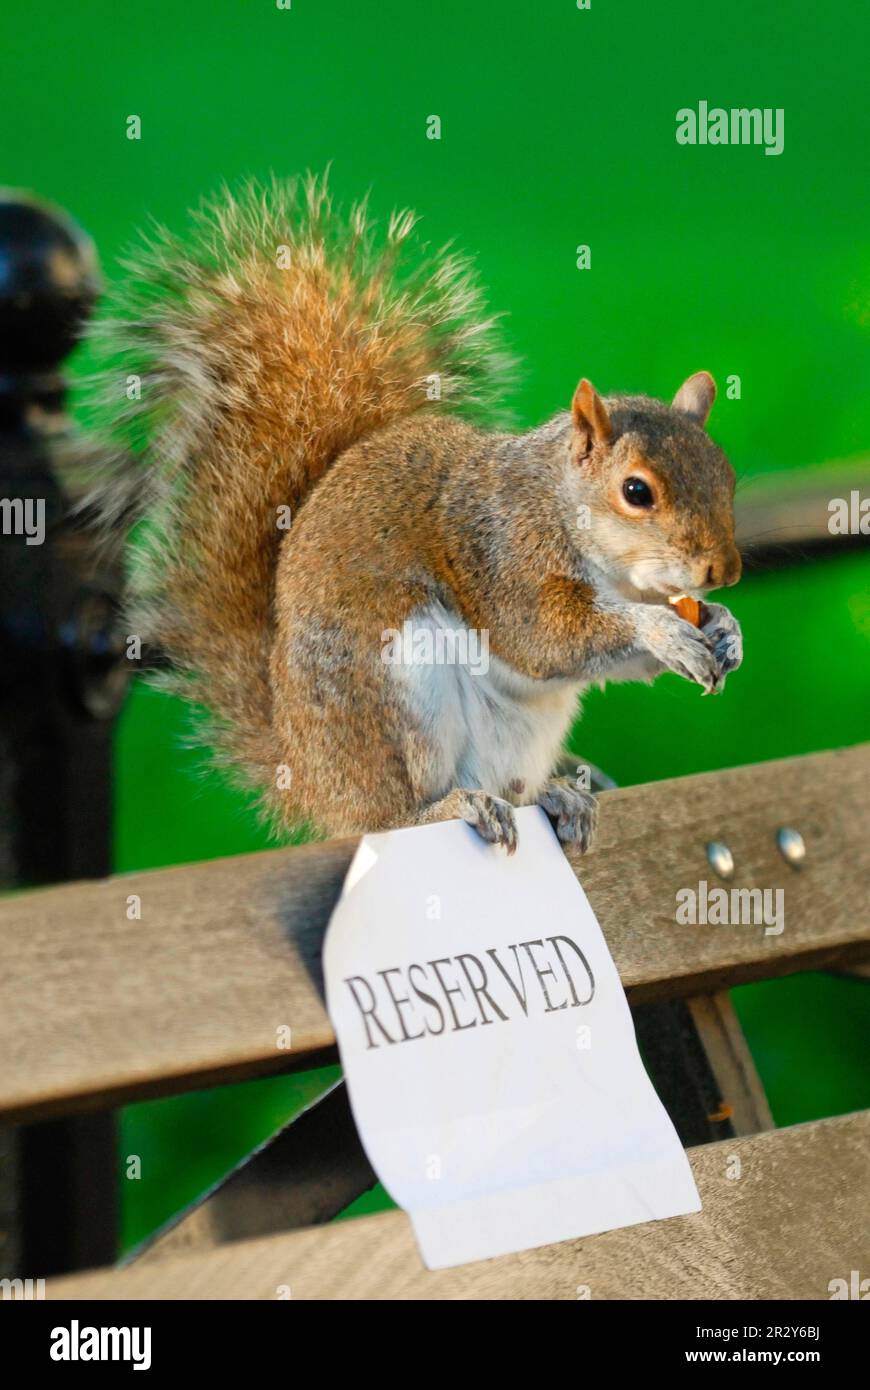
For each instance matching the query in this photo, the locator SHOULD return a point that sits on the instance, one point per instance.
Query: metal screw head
(721, 859)
(791, 846)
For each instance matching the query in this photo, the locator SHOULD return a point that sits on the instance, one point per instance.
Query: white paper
(520, 1131)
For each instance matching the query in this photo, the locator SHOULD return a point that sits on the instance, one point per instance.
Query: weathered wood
(312, 1169)
(792, 1221)
(96, 1008)
(307, 1174)
(861, 970)
(742, 1101)
(780, 511)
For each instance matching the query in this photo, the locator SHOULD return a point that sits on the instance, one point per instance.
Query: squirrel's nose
(725, 570)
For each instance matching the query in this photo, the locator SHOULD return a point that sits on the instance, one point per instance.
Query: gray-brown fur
(310, 391)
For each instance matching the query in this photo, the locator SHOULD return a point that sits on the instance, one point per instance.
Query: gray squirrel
(309, 481)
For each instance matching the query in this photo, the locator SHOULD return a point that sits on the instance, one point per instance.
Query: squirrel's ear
(591, 421)
(696, 396)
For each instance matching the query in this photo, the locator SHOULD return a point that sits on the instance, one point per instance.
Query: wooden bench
(782, 1229)
(99, 1007)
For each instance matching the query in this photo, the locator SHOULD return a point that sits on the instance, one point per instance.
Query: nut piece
(688, 608)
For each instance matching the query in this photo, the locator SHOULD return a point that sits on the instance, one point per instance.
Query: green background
(557, 130)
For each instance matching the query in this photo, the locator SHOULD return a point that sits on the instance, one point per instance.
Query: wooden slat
(861, 970)
(791, 509)
(743, 1102)
(795, 1218)
(96, 1008)
(316, 1166)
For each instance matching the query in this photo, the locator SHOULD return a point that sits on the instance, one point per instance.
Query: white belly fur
(486, 729)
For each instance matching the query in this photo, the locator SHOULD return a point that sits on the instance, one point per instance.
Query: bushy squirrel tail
(241, 361)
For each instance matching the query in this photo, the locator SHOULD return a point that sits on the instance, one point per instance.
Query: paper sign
(488, 1047)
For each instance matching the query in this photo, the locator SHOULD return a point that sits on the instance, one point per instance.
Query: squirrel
(311, 464)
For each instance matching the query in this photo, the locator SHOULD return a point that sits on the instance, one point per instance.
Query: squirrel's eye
(637, 492)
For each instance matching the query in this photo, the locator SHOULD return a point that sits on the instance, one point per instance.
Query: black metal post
(62, 678)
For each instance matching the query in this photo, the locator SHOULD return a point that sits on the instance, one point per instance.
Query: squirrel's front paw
(573, 811)
(679, 646)
(722, 629)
